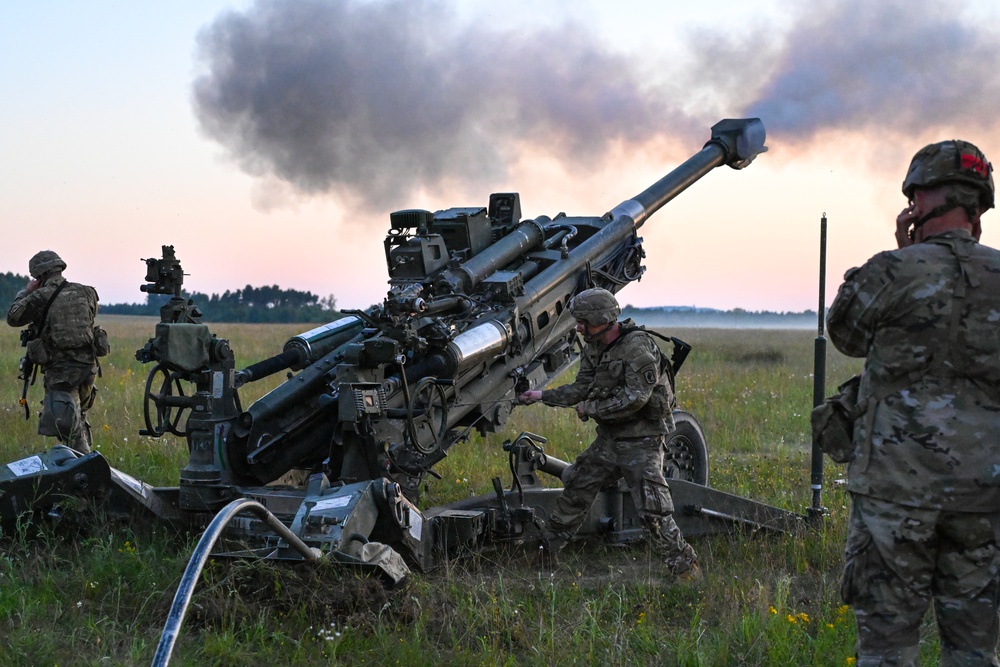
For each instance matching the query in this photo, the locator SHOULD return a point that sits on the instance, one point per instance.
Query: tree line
(10, 284)
(274, 304)
(250, 304)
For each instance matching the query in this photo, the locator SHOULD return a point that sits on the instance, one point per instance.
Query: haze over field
(268, 141)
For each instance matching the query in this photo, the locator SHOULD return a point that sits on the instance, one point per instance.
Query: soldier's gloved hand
(581, 413)
(529, 397)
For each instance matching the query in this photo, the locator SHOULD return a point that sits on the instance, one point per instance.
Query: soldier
(61, 318)
(624, 386)
(924, 475)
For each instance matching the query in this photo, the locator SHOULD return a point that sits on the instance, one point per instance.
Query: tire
(686, 453)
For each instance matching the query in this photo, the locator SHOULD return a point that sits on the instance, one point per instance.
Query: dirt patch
(324, 593)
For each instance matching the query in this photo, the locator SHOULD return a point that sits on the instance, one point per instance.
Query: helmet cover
(953, 161)
(43, 262)
(595, 306)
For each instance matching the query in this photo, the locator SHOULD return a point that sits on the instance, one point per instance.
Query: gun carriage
(476, 312)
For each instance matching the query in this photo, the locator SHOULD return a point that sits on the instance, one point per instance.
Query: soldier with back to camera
(924, 475)
(624, 386)
(61, 341)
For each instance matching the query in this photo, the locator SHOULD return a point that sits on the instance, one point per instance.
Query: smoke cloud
(376, 100)
(887, 67)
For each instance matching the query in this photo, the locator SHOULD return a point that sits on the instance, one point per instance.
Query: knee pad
(60, 414)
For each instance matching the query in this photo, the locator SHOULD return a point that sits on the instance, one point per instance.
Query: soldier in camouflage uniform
(925, 472)
(63, 348)
(624, 387)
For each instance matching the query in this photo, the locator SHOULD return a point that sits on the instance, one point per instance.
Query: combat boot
(692, 573)
(684, 566)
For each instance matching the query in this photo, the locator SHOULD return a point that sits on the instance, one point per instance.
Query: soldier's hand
(529, 397)
(32, 285)
(580, 413)
(904, 221)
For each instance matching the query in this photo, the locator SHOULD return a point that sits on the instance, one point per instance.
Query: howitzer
(476, 312)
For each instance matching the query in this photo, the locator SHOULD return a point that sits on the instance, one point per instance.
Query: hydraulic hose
(200, 556)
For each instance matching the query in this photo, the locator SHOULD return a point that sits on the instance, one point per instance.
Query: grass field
(96, 592)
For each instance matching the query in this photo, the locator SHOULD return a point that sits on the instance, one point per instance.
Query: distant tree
(250, 304)
(10, 285)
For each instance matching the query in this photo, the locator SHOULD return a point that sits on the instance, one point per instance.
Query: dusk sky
(269, 141)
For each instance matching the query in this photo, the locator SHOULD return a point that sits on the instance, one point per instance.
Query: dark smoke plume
(377, 99)
(889, 67)
(374, 100)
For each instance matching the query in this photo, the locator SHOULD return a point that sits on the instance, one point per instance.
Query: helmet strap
(935, 212)
(607, 328)
(594, 337)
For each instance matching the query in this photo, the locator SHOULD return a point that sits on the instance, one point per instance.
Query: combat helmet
(953, 161)
(43, 262)
(595, 306)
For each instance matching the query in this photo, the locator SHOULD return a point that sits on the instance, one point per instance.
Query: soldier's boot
(684, 566)
(693, 573)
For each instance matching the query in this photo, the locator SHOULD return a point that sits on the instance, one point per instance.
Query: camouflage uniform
(925, 473)
(69, 361)
(622, 388)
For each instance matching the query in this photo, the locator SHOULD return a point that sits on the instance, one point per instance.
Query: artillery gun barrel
(735, 142)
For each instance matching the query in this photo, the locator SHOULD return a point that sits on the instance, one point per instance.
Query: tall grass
(95, 592)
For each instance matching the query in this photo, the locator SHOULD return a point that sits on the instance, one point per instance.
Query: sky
(268, 141)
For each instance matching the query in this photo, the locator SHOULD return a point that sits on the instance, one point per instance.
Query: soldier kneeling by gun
(62, 340)
(624, 385)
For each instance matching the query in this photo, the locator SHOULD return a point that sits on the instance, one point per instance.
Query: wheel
(686, 454)
(168, 417)
(427, 415)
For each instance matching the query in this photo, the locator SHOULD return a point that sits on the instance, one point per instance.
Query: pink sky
(109, 152)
